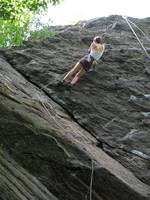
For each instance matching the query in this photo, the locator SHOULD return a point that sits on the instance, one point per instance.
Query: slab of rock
(56, 136)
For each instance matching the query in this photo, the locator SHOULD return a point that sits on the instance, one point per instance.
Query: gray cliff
(51, 141)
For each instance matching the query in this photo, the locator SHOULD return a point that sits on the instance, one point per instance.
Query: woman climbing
(86, 63)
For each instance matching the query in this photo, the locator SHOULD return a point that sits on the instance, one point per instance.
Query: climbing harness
(129, 24)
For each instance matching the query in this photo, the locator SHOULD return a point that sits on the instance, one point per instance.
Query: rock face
(52, 141)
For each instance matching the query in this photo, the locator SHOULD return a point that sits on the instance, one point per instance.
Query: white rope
(136, 36)
(140, 30)
(44, 106)
(91, 182)
(45, 86)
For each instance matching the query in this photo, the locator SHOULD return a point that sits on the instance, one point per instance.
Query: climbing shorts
(86, 62)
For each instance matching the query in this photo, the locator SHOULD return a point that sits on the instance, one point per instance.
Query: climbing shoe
(62, 83)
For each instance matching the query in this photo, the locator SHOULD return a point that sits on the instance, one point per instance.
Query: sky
(72, 11)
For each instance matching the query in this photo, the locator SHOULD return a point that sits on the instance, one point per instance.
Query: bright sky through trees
(71, 11)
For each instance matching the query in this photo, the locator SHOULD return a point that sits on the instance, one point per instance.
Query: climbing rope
(124, 17)
(140, 30)
(91, 182)
(45, 86)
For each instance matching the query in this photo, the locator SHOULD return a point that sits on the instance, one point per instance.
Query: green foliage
(13, 32)
(43, 33)
(38, 30)
(15, 17)
(10, 9)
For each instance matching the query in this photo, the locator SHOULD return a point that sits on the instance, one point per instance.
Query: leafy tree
(15, 16)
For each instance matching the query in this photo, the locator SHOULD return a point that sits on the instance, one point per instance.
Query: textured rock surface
(16, 183)
(53, 136)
